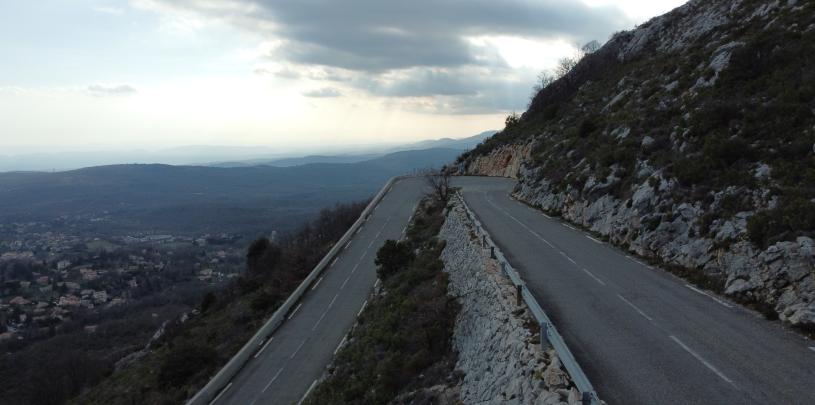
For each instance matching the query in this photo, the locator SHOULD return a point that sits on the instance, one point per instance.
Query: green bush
(392, 257)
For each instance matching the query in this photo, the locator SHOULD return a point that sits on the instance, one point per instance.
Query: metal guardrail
(224, 376)
(549, 333)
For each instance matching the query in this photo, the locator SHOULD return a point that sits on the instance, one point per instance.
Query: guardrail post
(544, 336)
(492, 252)
(518, 295)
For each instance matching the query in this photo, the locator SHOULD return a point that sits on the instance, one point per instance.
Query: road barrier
(549, 333)
(223, 378)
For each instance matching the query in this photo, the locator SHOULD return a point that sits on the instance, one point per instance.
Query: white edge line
(317, 283)
(347, 245)
(220, 393)
(342, 342)
(635, 308)
(358, 229)
(307, 392)
(376, 284)
(363, 308)
(709, 296)
(812, 348)
(698, 357)
(595, 240)
(264, 347)
(334, 261)
(295, 310)
(273, 379)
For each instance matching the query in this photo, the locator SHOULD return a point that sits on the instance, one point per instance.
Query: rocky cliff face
(689, 141)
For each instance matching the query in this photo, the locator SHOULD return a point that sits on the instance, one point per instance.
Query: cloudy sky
(297, 74)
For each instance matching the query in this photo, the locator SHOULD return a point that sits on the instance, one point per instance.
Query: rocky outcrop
(499, 354)
(504, 161)
(782, 275)
(675, 141)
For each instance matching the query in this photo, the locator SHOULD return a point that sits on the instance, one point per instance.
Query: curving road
(285, 367)
(642, 335)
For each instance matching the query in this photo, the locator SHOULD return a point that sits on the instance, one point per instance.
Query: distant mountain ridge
(220, 156)
(195, 197)
(460, 144)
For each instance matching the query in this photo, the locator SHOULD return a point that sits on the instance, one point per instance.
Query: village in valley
(50, 277)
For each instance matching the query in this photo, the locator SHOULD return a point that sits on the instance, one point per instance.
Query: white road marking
(568, 258)
(317, 283)
(347, 245)
(709, 296)
(568, 226)
(273, 379)
(635, 308)
(812, 348)
(295, 310)
(355, 268)
(264, 347)
(358, 229)
(376, 284)
(703, 361)
(542, 239)
(334, 261)
(363, 308)
(595, 277)
(220, 393)
(298, 349)
(345, 282)
(595, 240)
(547, 216)
(316, 324)
(307, 392)
(332, 301)
(342, 342)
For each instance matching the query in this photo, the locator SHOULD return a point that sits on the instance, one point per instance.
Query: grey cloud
(101, 90)
(325, 92)
(367, 41)
(377, 35)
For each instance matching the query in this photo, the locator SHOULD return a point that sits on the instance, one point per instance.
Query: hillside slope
(690, 141)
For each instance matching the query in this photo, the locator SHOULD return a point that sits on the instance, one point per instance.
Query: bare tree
(439, 183)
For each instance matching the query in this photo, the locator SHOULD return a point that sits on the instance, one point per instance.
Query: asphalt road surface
(285, 368)
(642, 335)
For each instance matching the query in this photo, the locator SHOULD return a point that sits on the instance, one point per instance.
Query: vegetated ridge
(689, 140)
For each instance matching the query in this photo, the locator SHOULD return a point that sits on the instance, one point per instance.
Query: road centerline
(702, 360)
(639, 311)
(298, 348)
(273, 379)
